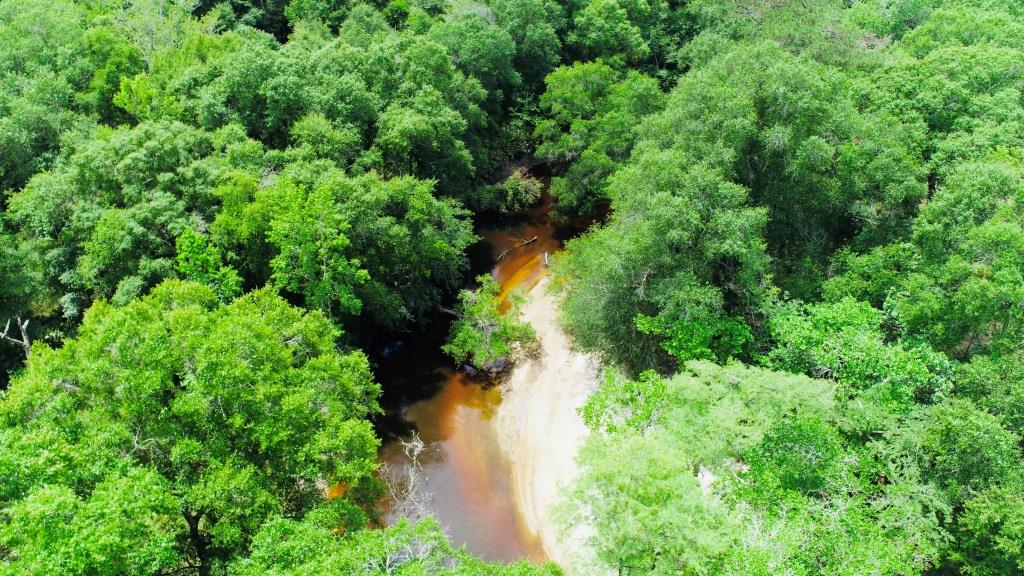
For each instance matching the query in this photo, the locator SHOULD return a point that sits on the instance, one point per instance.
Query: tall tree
(173, 427)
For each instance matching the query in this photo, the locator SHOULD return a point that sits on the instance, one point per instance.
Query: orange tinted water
(464, 471)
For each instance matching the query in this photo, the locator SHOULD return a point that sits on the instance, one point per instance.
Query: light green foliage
(991, 533)
(972, 194)
(738, 470)
(182, 425)
(995, 383)
(515, 194)
(963, 449)
(963, 25)
(127, 525)
(420, 137)
(830, 188)
(896, 159)
(314, 136)
(482, 335)
(624, 404)
(113, 58)
(397, 98)
(653, 515)
(199, 261)
(960, 294)
(871, 276)
(844, 341)
(237, 412)
(797, 453)
(309, 235)
(290, 548)
(40, 70)
(700, 337)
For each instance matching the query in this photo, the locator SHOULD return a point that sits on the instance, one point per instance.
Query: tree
(515, 194)
(534, 26)
(199, 261)
(996, 384)
(128, 524)
(844, 341)
(311, 258)
(963, 449)
(38, 78)
(483, 335)
(603, 28)
(173, 427)
(682, 246)
(107, 217)
(789, 129)
(659, 514)
(482, 50)
(590, 130)
(291, 548)
(991, 533)
(386, 250)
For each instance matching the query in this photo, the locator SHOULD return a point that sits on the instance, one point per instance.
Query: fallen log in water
(517, 246)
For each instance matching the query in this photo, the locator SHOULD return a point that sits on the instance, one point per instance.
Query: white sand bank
(540, 430)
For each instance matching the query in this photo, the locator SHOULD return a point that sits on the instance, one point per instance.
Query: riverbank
(540, 430)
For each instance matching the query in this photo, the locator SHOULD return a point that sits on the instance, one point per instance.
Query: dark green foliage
(534, 26)
(106, 217)
(592, 114)
(683, 246)
(386, 249)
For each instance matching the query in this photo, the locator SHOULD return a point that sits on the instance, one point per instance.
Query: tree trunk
(198, 541)
(520, 245)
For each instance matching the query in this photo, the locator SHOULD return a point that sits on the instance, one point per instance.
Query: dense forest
(801, 266)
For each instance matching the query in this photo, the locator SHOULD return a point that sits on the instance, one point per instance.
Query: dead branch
(405, 484)
(25, 344)
(517, 246)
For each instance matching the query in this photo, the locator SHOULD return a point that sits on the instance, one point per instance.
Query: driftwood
(449, 311)
(517, 246)
(24, 342)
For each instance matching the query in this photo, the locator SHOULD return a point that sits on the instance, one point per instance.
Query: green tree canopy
(173, 427)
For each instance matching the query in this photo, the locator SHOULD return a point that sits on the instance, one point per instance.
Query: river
(465, 474)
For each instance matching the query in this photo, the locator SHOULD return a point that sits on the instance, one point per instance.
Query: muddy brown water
(465, 474)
